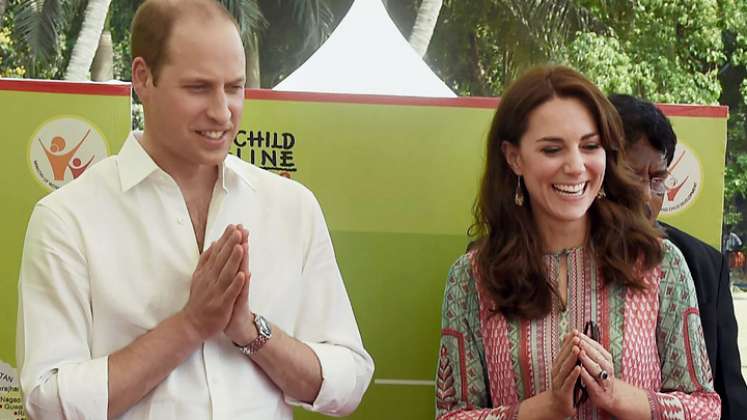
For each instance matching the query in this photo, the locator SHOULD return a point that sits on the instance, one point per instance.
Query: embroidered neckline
(565, 251)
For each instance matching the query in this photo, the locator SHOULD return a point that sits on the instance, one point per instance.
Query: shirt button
(180, 220)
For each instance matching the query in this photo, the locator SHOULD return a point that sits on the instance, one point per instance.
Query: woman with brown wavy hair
(570, 304)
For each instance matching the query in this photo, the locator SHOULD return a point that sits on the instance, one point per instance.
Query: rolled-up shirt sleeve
(59, 376)
(327, 324)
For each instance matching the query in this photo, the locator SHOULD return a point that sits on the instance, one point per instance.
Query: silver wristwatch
(265, 333)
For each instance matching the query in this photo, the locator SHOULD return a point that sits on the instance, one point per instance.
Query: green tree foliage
(668, 51)
(479, 46)
(11, 61)
(733, 78)
(37, 29)
(605, 60)
(46, 31)
(120, 18)
(665, 51)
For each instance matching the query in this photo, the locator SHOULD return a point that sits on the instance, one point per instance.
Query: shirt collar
(241, 169)
(135, 165)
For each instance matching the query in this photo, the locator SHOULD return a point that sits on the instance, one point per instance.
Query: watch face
(263, 326)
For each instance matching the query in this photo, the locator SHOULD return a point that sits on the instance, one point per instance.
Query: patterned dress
(488, 364)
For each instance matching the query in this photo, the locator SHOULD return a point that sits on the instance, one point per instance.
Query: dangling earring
(601, 194)
(519, 195)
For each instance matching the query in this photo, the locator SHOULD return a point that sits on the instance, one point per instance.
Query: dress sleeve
(686, 380)
(462, 390)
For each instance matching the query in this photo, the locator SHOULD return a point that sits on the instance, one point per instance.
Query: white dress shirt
(110, 255)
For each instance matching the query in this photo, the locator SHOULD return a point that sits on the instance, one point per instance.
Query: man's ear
(142, 78)
(511, 152)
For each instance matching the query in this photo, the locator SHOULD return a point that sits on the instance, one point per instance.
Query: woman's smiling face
(561, 159)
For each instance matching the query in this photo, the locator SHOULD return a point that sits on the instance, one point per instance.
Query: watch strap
(254, 346)
(264, 333)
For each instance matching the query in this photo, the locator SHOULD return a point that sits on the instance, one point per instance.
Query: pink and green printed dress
(488, 364)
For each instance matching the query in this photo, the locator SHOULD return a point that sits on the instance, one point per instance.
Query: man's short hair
(642, 118)
(154, 21)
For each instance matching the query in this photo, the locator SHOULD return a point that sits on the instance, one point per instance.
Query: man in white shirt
(143, 281)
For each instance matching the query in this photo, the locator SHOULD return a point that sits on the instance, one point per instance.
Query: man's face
(650, 165)
(193, 111)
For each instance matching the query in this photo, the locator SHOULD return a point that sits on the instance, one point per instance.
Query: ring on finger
(603, 375)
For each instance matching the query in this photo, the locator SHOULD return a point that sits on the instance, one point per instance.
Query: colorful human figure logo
(674, 185)
(77, 168)
(684, 181)
(62, 149)
(60, 160)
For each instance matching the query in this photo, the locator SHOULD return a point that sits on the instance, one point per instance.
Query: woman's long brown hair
(510, 251)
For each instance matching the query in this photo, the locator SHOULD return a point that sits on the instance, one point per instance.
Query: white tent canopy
(366, 54)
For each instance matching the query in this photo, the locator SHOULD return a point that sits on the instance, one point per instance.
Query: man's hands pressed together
(219, 294)
(220, 285)
(240, 328)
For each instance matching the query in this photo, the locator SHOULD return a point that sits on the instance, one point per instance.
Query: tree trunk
(425, 22)
(251, 53)
(3, 5)
(88, 40)
(102, 68)
(478, 87)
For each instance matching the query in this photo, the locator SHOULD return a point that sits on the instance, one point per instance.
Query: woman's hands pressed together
(565, 372)
(597, 373)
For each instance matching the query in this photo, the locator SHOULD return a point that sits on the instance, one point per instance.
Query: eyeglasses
(657, 184)
(580, 395)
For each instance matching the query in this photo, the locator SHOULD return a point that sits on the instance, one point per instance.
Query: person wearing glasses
(570, 303)
(650, 145)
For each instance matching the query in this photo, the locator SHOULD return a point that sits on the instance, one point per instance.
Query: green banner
(695, 196)
(396, 178)
(53, 132)
(396, 182)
